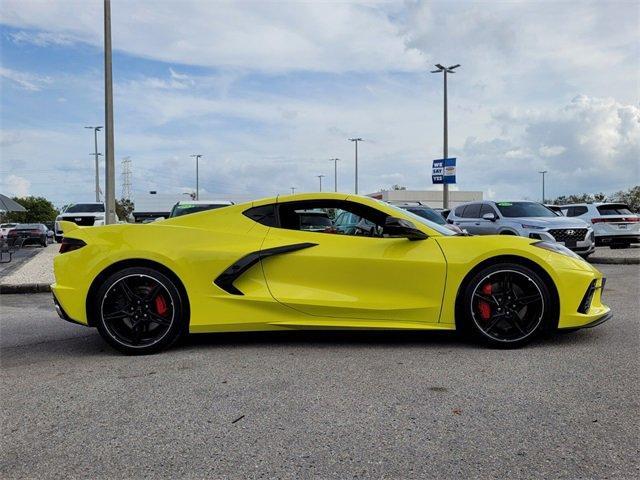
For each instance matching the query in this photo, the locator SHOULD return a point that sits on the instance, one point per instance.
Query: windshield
(8, 225)
(85, 208)
(422, 220)
(524, 209)
(428, 214)
(187, 208)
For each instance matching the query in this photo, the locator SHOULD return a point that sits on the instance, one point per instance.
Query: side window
(265, 214)
(579, 211)
(472, 211)
(317, 216)
(459, 211)
(565, 211)
(486, 208)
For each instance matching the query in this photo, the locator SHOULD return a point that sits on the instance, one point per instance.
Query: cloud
(258, 36)
(15, 186)
(590, 144)
(41, 39)
(25, 81)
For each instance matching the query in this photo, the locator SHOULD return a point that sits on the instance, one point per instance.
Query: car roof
(205, 202)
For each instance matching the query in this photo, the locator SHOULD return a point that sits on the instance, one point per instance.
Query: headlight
(100, 217)
(532, 227)
(556, 247)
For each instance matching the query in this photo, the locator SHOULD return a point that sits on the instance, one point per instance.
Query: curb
(25, 288)
(615, 261)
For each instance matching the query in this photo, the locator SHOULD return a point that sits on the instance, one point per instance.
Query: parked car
(5, 227)
(30, 233)
(194, 206)
(425, 211)
(527, 219)
(614, 224)
(262, 272)
(83, 214)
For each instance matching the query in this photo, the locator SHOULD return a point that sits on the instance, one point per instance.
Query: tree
(39, 210)
(631, 197)
(124, 208)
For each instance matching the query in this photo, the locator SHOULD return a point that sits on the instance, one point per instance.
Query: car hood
(552, 222)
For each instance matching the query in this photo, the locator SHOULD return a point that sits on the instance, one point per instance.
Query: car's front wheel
(505, 305)
(139, 310)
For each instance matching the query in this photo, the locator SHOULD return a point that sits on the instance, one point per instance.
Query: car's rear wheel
(139, 310)
(506, 305)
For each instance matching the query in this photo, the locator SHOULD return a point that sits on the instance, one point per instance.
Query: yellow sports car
(285, 263)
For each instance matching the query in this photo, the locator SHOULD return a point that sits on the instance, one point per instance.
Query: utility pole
(126, 178)
(96, 154)
(110, 168)
(543, 174)
(293, 190)
(445, 70)
(356, 140)
(320, 177)
(197, 156)
(335, 173)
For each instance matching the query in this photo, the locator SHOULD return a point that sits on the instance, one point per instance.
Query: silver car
(527, 219)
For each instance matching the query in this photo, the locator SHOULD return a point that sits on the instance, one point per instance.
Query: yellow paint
(343, 282)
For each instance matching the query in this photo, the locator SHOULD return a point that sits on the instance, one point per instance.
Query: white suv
(84, 214)
(613, 223)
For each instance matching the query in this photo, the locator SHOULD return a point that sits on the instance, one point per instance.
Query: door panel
(357, 277)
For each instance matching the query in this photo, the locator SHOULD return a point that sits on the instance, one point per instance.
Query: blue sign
(444, 170)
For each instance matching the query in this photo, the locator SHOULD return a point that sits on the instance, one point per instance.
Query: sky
(268, 92)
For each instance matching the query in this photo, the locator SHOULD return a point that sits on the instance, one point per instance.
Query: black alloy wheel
(139, 310)
(507, 305)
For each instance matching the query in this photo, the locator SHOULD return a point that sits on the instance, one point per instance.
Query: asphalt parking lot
(321, 404)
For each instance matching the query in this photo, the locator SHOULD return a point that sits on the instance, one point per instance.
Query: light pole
(356, 140)
(320, 177)
(110, 167)
(293, 190)
(197, 156)
(543, 174)
(95, 144)
(445, 70)
(335, 173)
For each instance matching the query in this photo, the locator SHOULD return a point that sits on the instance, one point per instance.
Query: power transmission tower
(126, 178)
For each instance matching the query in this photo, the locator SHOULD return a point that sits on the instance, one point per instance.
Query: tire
(585, 255)
(496, 315)
(139, 311)
(58, 238)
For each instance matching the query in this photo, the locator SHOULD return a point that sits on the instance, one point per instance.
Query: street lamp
(356, 140)
(96, 154)
(543, 174)
(197, 156)
(109, 164)
(335, 173)
(320, 177)
(445, 70)
(293, 190)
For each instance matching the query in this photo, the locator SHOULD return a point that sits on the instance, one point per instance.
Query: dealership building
(433, 198)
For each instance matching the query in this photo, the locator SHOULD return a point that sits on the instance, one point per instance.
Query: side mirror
(490, 216)
(399, 227)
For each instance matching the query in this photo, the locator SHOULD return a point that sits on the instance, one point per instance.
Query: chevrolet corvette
(256, 266)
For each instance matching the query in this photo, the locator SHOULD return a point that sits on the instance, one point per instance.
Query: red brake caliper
(161, 305)
(483, 307)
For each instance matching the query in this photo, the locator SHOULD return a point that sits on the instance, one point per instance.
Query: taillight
(616, 220)
(70, 244)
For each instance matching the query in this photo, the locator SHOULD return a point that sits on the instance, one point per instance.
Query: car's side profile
(254, 267)
(527, 219)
